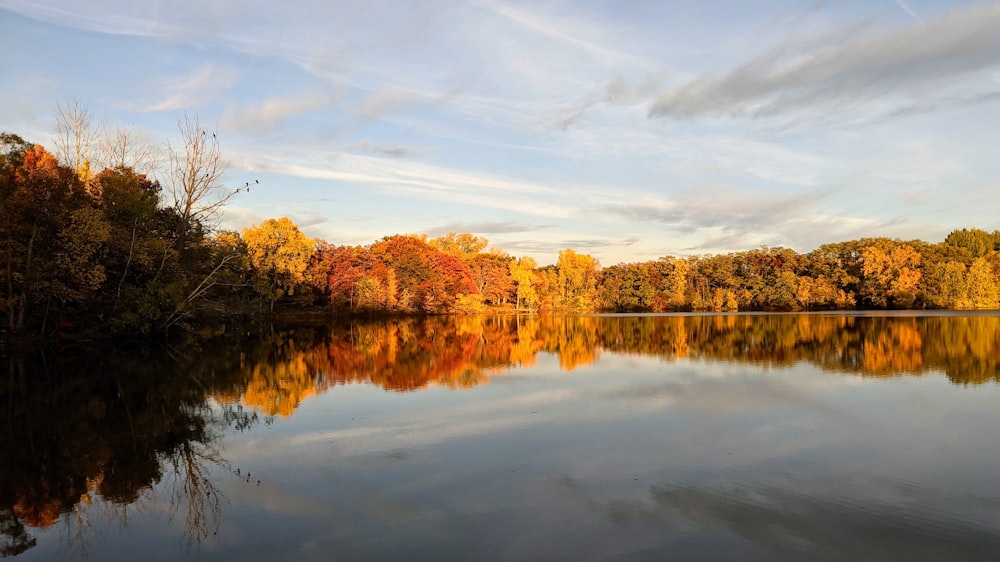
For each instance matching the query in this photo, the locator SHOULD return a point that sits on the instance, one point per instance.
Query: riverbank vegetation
(101, 237)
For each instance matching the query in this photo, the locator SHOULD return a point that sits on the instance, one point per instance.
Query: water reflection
(87, 435)
(413, 353)
(103, 435)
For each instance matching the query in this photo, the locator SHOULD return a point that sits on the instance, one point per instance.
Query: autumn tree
(39, 199)
(577, 280)
(279, 253)
(491, 274)
(676, 282)
(427, 280)
(891, 277)
(76, 137)
(944, 285)
(461, 245)
(522, 274)
(336, 270)
(839, 264)
(548, 288)
(978, 242)
(626, 288)
(135, 254)
(981, 285)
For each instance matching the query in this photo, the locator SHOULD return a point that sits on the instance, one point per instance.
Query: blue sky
(627, 130)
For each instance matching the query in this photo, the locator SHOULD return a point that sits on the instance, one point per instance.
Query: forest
(105, 235)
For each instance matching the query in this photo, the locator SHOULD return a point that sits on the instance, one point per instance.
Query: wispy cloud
(724, 219)
(185, 20)
(551, 245)
(204, 84)
(386, 100)
(558, 28)
(617, 92)
(367, 146)
(434, 183)
(271, 113)
(864, 75)
(485, 227)
(905, 6)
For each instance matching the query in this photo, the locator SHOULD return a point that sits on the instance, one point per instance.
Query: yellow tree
(578, 280)
(675, 285)
(982, 289)
(891, 278)
(461, 245)
(522, 271)
(945, 285)
(279, 254)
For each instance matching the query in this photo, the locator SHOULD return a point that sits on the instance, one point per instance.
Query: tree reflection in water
(88, 435)
(105, 433)
(462, 352)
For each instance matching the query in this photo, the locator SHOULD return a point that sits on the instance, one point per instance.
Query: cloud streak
(864, 73)
(435, 183)
(270, 114)
(203, 84)
(485, 227)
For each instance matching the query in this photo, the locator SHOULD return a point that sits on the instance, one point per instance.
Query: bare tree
(76, 135)
(121, 146)
(195, 171)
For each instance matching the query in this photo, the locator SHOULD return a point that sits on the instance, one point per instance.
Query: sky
(624, 129)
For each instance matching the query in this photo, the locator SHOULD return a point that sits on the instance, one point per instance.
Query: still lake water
(681, 437)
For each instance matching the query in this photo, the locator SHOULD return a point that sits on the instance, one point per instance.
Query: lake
(832, 436)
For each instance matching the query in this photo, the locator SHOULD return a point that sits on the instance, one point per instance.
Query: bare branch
(122, 147)
(182, 310)
(76, 135)
(195, 172)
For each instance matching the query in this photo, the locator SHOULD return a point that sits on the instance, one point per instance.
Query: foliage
(96, 253)
(100, 252)
(279, 255)
(462, 245)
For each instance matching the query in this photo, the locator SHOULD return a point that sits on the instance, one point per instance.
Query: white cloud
(869, 75)
(561, 29)
(204, 84)
(905, 6)
(433, 183)
(271, 113)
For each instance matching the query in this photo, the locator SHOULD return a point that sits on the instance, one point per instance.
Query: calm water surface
(770, 437)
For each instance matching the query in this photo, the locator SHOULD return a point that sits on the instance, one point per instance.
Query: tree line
(119, 251)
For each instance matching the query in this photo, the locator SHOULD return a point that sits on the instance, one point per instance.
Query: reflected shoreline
(106, 426)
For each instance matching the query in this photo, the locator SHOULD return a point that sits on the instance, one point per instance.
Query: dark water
(740, 437)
